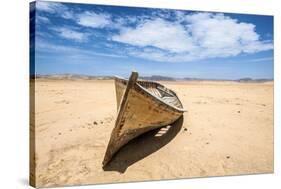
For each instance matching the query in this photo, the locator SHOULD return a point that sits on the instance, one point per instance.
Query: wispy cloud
(93, 20)
(69, 51)
(50, 7)
(261, 59)
(69, 33)
(42, 19)
(55, 8)
(68, 14)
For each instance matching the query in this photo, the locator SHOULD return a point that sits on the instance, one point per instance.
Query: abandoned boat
(142, 106)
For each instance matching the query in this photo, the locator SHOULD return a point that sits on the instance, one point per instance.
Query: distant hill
(152, 78)
(192, 79)
(73, 76)
(158, 78)
(248, 79)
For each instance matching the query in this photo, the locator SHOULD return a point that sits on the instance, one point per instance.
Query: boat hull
(139, 111)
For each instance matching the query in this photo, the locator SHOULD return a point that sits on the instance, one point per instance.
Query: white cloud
(157, 33)
(55, 8)
(42, 19)
(68, 15)
(222, 36)
(68, 33)
(204, 35)
(50, 7)
(93, 20)
(87, 18)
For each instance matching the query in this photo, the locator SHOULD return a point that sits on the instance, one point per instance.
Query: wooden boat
(142, 106)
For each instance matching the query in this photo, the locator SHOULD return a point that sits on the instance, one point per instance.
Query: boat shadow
(143, 146)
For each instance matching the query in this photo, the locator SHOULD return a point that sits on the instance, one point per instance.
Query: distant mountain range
(159, 78)
(153, 78)
(72, 76)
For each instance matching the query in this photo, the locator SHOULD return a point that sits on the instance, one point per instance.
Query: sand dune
(227, 130)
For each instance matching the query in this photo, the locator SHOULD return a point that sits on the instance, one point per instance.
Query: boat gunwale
(180, 110)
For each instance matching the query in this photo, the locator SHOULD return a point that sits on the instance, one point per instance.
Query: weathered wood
(121, 109)
(140, 109)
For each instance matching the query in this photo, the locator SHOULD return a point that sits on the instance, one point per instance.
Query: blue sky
(110, 40)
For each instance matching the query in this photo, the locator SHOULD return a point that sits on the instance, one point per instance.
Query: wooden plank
(109, 152)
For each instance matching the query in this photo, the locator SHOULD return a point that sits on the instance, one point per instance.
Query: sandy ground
(228, 130)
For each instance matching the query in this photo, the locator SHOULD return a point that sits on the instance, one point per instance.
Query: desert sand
(227, 130)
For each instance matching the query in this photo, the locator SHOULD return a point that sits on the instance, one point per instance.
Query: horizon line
(154, 75)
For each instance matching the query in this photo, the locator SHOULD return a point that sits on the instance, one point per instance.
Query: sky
(103, 40)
